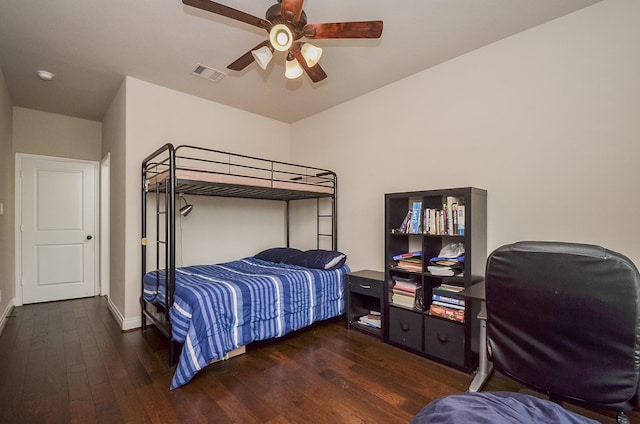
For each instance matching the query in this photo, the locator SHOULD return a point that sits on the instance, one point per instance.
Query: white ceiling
(92, 45)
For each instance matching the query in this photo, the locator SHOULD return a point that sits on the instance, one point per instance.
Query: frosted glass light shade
(281, 37)
(293, 69)
(311, 54)
(262, 56)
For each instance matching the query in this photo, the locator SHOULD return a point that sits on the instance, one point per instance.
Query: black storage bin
(405, 328)
(444, 340)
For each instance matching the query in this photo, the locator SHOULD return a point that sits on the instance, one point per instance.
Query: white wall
(546, 121)
(217, 229)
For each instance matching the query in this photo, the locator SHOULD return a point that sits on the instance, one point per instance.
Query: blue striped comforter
(218, 308)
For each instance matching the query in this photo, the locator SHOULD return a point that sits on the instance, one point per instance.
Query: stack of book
(447, 303)
(372, 319)
(441, 270)
(450, 220)
(447, 266)
(403, 292)
(411, 261)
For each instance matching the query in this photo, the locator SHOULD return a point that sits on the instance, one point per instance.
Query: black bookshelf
(451, 338)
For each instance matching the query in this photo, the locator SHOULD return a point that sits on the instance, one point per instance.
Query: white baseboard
(131, 323)
(125, 324)
(5, 315)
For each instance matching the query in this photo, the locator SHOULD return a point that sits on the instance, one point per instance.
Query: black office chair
(564, 319)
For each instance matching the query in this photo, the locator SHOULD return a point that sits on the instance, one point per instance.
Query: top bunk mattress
(210, 172)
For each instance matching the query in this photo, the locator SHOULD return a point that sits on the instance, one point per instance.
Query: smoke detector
(208, 73)
(45, 75)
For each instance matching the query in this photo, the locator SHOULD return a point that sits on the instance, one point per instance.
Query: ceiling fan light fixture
(311, 54)
(263, 56)
(293, 68)
(281, 37)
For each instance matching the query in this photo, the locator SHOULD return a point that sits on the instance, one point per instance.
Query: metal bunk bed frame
(160, 178)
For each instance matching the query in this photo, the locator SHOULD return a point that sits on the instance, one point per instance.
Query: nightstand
(364, 301)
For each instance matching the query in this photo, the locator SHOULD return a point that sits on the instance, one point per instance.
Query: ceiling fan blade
(316, 73)
(246, 59)
(291, 10)
(364, 29)
(221, 9)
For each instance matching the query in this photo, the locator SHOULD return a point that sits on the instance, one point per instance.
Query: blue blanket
(496, 408)
(218, 308)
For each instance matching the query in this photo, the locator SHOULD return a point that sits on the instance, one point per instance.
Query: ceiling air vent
(208, 73)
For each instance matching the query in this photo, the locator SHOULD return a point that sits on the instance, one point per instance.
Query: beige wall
(217, 229)
(49, 134)
(40, 133)
(113, 142)
(7, 199)
(546, 121)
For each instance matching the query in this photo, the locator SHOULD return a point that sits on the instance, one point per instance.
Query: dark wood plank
(15, 338)
(69, 362)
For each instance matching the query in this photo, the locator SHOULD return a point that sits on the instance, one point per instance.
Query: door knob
(89, 237)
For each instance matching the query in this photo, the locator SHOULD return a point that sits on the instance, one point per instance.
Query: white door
(58, 229)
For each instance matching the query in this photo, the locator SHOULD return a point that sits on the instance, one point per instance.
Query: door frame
(18, 218)
(105, 205)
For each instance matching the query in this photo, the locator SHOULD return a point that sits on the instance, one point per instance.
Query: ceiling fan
(286, 23)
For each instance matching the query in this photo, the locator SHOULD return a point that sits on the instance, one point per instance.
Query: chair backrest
(563, 318)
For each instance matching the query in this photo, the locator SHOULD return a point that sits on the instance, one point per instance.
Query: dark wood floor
(67, 362)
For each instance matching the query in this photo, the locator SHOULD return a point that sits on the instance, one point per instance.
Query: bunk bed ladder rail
(169, 195)
(331, 215)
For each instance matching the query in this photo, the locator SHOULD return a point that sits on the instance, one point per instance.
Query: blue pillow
(278, 254)
(319, 259)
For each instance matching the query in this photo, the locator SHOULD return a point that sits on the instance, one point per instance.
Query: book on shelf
(450, 288)
(407, 255)
(449, 292)
(405, 284)
(403, 300)
(452, 214)
(448, 313)
(441, 271)
(404, 290)
(448, 305)
(461, 218)
(372, 319)
(415, 223)
(429, 221)
(405, 223)
(400, 279)
(447, 299)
